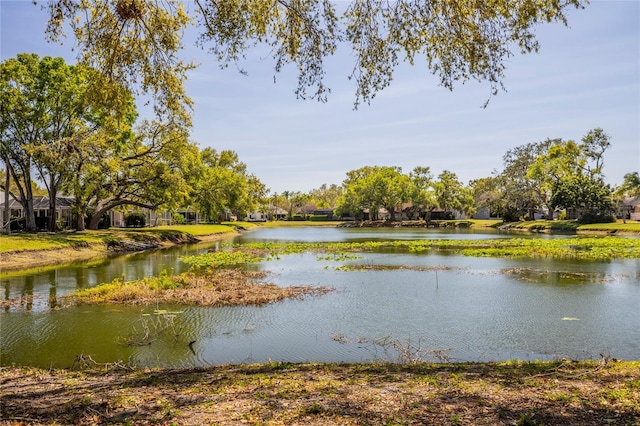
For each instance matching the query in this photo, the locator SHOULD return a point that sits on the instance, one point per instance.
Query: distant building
(41, 210)
(630, 208)
(271, 213)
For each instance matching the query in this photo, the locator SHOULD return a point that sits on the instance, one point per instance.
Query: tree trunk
(30, 217)
(53, 203)
(79, 222)
(79, 211)
(7, 210)
(392, 214)
(94, 219)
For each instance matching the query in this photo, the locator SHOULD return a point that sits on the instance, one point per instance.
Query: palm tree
(631, 186)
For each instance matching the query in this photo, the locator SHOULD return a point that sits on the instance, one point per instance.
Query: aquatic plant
(220, 259)
(586, 248)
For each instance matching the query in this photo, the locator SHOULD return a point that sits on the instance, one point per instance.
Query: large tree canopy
(138, 42)
(46, 108)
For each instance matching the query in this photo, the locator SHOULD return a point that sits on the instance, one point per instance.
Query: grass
(485, 223)
(546, 225)
(574, 226)
(212, 281)
(48, 241)
(195, 230)
(298, 223)
(515, 393)
(616, 226)
(216, 287)
(586, 248)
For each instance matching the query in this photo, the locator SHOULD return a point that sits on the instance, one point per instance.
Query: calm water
(474, 309)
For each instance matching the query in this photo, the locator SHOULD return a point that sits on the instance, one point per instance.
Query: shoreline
(17, 261)
(23, 260)
(494, 393)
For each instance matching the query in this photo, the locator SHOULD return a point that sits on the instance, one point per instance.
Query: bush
(17, 223)
(596, 217)
(134, 220)
(297, 217)
(318, 217)
(178, 219)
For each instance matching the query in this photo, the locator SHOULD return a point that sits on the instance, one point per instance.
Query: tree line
(75, 130)
(70, 130)
(76, 133)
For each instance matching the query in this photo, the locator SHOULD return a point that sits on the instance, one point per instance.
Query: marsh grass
(216, 287)
(371, 267)
(585, 248)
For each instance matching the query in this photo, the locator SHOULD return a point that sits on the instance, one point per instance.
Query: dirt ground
(514, 393)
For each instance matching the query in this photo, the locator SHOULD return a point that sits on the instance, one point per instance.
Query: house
(630, 208)
(41, 210)
(324, 212)
(272, 213)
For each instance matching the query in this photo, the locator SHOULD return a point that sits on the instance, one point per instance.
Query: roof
(40, 202)
(632, 201)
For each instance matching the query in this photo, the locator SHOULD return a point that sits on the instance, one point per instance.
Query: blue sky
(585, 76)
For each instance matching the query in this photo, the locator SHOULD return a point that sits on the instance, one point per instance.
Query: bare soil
(515, 393)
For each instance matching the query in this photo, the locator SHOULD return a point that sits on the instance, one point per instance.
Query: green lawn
(47, 241)
(572, 225)
(616, 226)
(195, 230)
(292, 223)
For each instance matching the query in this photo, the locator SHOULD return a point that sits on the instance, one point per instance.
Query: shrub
(596, 217)
(178, 219)
(17, 223)
(318, 217)
(134, 220)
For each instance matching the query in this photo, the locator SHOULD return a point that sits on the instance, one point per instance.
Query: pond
(437, 307)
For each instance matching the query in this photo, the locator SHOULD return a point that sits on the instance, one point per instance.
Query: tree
(570, 176)
(423, 199)
(522, 193)
(326, 197)
(593, 146)
(23, 121)
(486, 195)
(630, 186)
(137, 42)
(293, 201)
(223, 185)
(589, 195)
(147, 169)
(48, 108)
(558, 162)
(298, 200)
(375, 187)
(451, 194)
